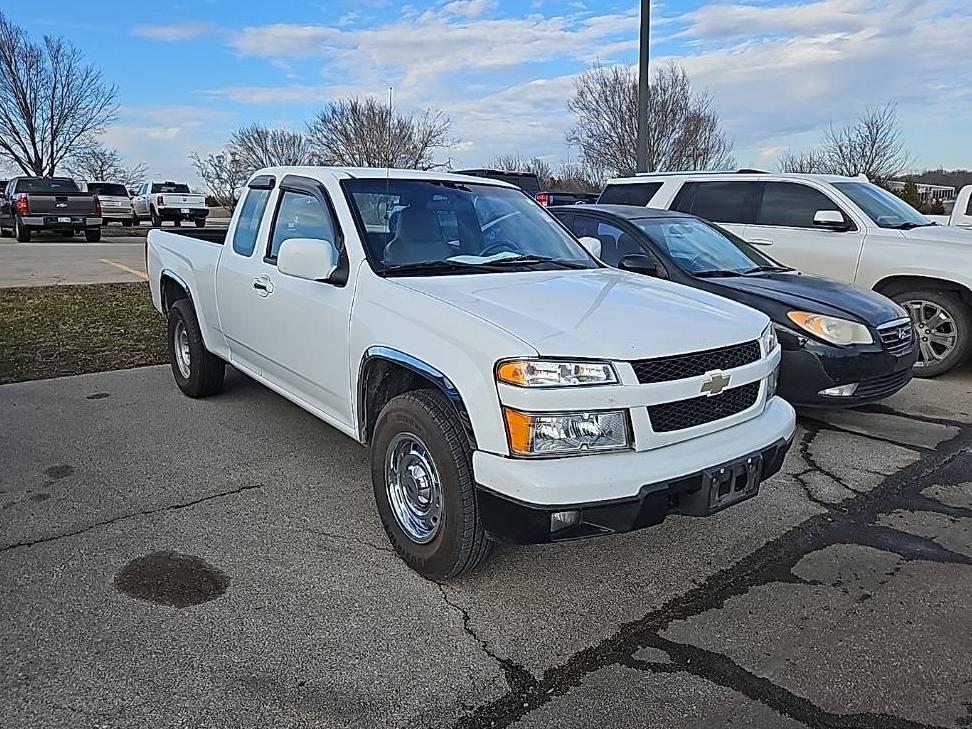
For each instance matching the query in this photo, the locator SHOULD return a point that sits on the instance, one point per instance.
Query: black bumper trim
(515, 522)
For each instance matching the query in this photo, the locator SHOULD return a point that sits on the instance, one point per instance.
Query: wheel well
(383, 379)
(172, 291)
(897, 284)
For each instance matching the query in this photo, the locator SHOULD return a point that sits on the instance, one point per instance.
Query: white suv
(841, 227)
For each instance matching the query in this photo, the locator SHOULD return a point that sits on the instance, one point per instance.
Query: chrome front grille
(897, 337)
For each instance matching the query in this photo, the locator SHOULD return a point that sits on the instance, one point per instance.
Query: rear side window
(791, 205)
(248, 222)
(720, 202)
(300, 216)
(637, 194)
(50, 185)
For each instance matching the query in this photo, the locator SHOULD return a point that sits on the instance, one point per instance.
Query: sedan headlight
(555, 373)
(830, 328)
(539, 434)
(768, 339)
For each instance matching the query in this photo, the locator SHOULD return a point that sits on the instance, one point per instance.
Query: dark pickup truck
(48, 203)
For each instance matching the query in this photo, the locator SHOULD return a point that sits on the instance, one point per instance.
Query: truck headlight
(555, 373)
(830, 328)
(768, 339)
(538, 434)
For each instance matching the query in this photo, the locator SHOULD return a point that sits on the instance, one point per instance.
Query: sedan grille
(683, 414)
(898, 339)
(695, 364)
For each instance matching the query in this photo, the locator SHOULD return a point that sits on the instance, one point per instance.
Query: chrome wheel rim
(182, 357)
(935, 330)
(413, 486)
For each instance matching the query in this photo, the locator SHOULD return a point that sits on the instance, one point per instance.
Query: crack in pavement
(133, 515)
(854, 522)
(882, 409)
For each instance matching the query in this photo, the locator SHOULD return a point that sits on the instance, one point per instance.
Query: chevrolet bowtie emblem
(715, 384)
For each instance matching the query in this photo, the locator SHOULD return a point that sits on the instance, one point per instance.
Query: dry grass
(50, 331)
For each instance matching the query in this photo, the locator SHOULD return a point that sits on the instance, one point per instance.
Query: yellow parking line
(123, 267)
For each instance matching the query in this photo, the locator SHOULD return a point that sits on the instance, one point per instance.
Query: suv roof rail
(674, 173)
(752, 171)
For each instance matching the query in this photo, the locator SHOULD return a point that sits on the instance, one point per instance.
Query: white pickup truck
(161, 201)
(961, 215)
(509, 385)
(844, 228)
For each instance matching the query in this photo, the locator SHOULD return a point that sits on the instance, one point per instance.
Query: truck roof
(378, 173)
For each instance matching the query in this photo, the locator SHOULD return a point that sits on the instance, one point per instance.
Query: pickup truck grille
(898, 339)
(694, 364)
(683, 414)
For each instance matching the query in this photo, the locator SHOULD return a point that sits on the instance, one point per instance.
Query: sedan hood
(814, 294)
(601, 313)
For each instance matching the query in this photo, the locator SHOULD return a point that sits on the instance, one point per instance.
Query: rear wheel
(21, 231)
(197, 372)
(92, 235)
(200, 222)
(422, 477)
(156, 218)
(128, 223)
(5, 232)
(943, 324)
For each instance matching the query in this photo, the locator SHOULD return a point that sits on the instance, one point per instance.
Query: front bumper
(619, 492)
(809, 368)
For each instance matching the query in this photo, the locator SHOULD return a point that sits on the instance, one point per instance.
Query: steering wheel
(499, 246)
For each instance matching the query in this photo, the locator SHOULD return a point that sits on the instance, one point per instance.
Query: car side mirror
(640, 263)
(312, 259)
(592, 245)
(832, 219)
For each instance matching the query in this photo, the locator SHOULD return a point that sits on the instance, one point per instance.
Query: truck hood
(940, 234)
(602, 313)
(814, 294)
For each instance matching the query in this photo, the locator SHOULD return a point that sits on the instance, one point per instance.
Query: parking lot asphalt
(840, 597)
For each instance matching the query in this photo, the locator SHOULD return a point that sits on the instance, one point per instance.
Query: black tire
(200, 222)
(135, 219)
(460, 543)
(206, 370)
(960, 314)
(67, 233)
(21, 231)
(127, 223)
(92, 235)
(177, 223)
(156, 218)
(6, 233)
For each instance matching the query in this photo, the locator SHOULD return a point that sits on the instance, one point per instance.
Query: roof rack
(752, 171)
(683, 172)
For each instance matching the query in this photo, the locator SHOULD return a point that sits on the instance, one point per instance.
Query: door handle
(263, 285)
(761, 242)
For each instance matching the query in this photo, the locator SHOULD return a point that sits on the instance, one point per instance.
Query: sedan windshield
(703, 249)
(885, 209)
(444, 228)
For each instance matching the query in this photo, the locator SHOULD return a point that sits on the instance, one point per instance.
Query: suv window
(248, 223)
(791, 205)
(720, 202)
(300, 216)
(639, 194)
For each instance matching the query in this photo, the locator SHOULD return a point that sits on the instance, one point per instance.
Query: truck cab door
(292, 331)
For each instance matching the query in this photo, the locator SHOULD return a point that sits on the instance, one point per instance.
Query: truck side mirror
(640, 263)
(312, 259)
(832, 219)
(592, 245)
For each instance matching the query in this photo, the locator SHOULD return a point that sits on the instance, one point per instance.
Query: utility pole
(643, 81)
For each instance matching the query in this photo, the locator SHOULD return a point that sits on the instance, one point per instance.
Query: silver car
(116, 204)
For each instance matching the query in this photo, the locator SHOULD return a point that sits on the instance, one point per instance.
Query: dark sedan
(842, 345)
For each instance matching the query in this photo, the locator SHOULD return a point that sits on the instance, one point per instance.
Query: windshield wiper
(763, 269)
(538, 259)
(446, 267)
(910, 226)
(717, 272)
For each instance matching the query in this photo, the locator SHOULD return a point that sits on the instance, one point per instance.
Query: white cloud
(174, 31)
(468, 8)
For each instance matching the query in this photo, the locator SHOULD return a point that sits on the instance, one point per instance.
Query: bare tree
(95, 161)
(574, 177)
(683, 130)
(870, 146)
(51, 101)
(223, 175)
(368, 133)
(515, 163)
(257, 146)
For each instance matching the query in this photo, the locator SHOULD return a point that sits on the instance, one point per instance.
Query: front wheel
(197, 372)
(421, 472)
(943, 327)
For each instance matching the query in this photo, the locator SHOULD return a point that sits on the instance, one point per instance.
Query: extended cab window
(174, 187)
(720, 202)
(248, 222)
(791, 205)
(300, 215)
(637, 194)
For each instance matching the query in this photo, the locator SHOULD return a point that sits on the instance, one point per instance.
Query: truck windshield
(49, 185)
(885, 209)
(444, 228)
(170, 187)
(107, 188)
(702, 249)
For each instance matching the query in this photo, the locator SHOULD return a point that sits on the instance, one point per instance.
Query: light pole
(643, 80)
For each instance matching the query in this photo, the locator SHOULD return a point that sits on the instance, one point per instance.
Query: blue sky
(190, 73)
